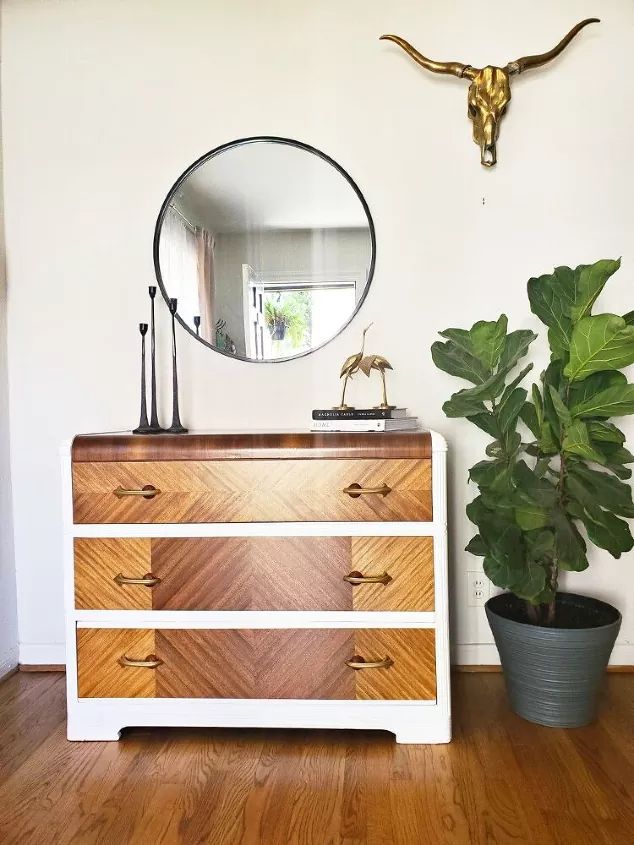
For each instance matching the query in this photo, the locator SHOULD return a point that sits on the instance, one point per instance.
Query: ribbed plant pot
(554, 675)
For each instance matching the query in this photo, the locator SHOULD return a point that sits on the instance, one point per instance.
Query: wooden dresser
(264, 580)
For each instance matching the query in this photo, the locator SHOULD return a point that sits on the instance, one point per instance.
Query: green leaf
(529, 517)
(461, 405)
(597, 382)
(541, 545)
(601, 342)
(488, 340)
(510, 408)
(589, 282)
(550, 297)
(552, 377)
(505, 557)
(605, 432)
(541, 467)
(487, 422)
(547, 443)
(570, 547)
(532, 489)
(528, 414)
(607, 531)
(629, 318)
(576, 441)
(457, 362)
(476, 546)
(561, 410)
(516, 347)
(600, 488)
(485, 473)
(614, 402)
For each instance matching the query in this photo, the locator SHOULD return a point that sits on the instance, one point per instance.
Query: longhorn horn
(454, 68)
(528, 62)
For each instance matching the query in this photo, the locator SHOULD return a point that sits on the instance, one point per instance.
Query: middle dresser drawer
(252, 491)
(255, 573)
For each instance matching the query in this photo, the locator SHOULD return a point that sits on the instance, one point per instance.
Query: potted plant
(554, 477)
(289, 316)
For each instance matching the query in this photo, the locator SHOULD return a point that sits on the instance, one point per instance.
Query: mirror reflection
(268, 246)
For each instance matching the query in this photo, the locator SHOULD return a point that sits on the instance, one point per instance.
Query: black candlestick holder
(143, 427)
(197, 324)
(155, 426)
(176, 427)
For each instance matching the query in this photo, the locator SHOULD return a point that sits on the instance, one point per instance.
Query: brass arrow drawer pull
(357, 662)
(355, 490)
(148, 492)
(150, 662)
(357, 578)
(147, 581)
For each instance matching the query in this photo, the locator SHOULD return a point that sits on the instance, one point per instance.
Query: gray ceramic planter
(553, 675)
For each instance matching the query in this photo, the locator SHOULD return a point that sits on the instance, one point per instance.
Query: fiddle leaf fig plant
(555, 472)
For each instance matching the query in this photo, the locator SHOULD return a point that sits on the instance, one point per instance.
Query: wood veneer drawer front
(255, 573)
(391, 664)
(252, 491)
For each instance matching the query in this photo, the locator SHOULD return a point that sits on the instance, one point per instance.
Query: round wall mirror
(268, 245)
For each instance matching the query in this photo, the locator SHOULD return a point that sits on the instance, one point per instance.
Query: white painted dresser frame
(410, 721)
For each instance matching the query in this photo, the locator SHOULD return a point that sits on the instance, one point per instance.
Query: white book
(402, 424)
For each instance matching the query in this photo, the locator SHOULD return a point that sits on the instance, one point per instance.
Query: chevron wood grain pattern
(97, 563)
(305, 663)
(99, 673)
(201, 446)
(252, 491)
(251, 573)
(255, 573)
(243, 663)
(410, 563)
(413, 675)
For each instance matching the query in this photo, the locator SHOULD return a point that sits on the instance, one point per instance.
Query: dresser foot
(425, 735)
(76, 731)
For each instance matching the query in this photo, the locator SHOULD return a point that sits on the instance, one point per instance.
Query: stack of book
(363, 419)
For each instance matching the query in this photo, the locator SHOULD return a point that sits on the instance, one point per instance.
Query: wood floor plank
(501, 781)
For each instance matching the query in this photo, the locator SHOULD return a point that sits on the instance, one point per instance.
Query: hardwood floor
(501, 780)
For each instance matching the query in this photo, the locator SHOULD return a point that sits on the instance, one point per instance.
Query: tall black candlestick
(176, 426)
(143, 427)
(197, 324)
(154, 421)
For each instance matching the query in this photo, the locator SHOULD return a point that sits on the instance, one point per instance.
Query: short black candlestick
(197, 324)
(154, 421)
(176, 426)
(143, 427)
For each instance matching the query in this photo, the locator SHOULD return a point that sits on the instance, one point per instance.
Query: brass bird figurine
(377, 362)
(349, 368)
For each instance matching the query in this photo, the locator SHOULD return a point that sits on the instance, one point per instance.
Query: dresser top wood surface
(211, 446)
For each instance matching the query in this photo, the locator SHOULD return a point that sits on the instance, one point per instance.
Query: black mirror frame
(239, 143)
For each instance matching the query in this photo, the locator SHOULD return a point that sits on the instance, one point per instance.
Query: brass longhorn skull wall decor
(490, 89)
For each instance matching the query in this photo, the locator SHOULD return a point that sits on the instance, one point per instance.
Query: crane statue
(377, 362)
(349, 368)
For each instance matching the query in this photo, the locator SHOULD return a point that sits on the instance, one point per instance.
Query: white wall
(8, 611)
(105, 103)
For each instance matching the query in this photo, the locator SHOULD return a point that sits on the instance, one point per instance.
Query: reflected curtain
(206, 283)
(178, 258)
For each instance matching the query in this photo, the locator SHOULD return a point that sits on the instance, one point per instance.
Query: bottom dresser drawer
(304, 663)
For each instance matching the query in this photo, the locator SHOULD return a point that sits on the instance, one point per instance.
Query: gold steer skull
(490, 89)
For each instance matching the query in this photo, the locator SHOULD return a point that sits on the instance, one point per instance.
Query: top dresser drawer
(194, 482)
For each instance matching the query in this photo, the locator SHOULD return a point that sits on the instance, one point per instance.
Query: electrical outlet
(478, 588)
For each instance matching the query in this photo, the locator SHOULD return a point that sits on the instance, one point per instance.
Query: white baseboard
(7, 665)
(486, 654)
(42, 654)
